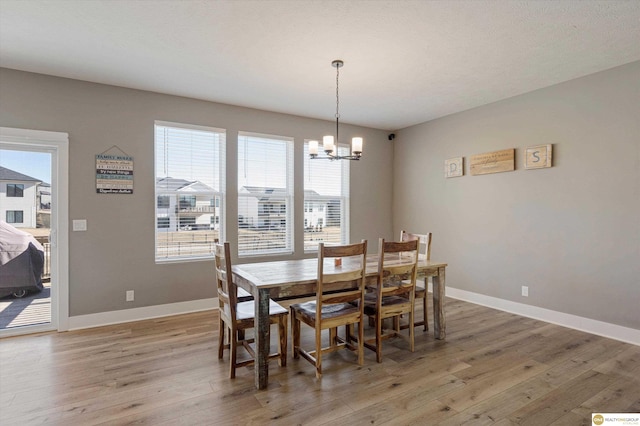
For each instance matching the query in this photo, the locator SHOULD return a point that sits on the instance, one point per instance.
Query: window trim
(345, 196)
(289, 197)
(220, 194)
(13, 213)
(13, 194)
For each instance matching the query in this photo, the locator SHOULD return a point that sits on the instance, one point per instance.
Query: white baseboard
(138, 314)
(612, 331)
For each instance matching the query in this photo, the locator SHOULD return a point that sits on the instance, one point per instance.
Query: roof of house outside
(8, 174)
(259, 191)
(176, 184)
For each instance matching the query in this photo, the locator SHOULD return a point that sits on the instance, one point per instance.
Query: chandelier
(329, 144)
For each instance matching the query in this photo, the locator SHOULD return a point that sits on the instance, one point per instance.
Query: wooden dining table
(290, 279)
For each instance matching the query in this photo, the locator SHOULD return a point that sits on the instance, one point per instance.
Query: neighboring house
(266, 208)
(186, 205)
(18, 198)
(43, 219)
(44, 196)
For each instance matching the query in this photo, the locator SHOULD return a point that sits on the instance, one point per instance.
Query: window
(163, 202)
(326, 200)
(265, 194)
(15, 216)
(15, 190)
(189, 169)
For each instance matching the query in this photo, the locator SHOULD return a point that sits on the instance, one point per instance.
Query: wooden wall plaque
(538, 157)
(492, 162)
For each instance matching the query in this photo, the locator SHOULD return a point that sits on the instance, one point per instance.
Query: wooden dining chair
(393, 292)
(424, 249)
(338, 302)
(237, 317)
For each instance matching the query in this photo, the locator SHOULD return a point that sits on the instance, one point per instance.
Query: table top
(305, 271)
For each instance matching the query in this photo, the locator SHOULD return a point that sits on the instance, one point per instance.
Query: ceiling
(406, 62)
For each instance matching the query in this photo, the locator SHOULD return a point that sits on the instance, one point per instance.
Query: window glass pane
(15, 190)
(265, 194)
(326, 200)
(15, 216)
(189, 164)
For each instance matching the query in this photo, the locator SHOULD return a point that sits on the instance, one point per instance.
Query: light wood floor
(493, 368)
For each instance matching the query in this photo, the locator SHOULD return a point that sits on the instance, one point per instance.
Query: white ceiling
(406, 62)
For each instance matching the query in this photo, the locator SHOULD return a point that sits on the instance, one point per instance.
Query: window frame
(217, 196)
(324, 200)
(280, 205)
(13, 215)
(14, 192)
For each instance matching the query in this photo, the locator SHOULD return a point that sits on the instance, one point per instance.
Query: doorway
(33, 210)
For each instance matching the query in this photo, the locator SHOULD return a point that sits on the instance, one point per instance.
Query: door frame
(57, 144)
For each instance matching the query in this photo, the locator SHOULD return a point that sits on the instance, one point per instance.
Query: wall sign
(114, 173)
(538, 157)
(453, 167)
(492, 162)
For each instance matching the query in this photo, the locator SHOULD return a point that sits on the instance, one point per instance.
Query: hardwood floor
(493, 368)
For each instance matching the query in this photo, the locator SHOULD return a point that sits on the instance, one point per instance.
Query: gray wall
(117, 252)
(571, 233)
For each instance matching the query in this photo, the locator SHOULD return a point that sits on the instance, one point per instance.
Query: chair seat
(370, 300)
(328, 311)
(246, 310)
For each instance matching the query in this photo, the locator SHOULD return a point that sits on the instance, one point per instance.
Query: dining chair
(338, 302)
(393, 292)
(236, 317)
(424, 241)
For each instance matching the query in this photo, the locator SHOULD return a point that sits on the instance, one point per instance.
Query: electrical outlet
(525, 291)
(130, 296)
(80, 224)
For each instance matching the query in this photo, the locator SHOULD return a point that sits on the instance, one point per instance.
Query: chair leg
(360, 342)
(233, 349)
(412, 331)
(282, 345)
(295, 332)
(221, 327)
(318, 352)
(378, 338)
(424, 311)
(333, 333)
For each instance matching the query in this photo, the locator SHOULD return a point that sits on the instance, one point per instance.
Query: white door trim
(57, 143)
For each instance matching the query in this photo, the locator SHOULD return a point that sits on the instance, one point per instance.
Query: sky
(34, 164)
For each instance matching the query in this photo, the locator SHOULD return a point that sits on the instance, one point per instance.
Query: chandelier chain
(337, 105)
(337, 92)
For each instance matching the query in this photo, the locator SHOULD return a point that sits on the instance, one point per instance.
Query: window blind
(189, 190)
(265, 194)
(326, 200)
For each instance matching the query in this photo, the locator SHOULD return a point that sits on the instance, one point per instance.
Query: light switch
(79, 224)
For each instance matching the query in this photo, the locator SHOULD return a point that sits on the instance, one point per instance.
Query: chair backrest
(341, 274)
(397, 268)
(227, 290)
(423, 239)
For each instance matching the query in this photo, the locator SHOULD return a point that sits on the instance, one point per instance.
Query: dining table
(290, 279)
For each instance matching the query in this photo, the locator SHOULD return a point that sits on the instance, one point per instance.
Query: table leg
(438, 304)
(262, 339)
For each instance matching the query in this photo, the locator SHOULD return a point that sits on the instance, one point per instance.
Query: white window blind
(189, 190)
(326, 200)
(265, 194)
